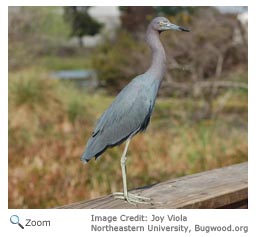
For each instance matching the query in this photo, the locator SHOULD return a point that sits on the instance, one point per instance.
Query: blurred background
(66, 64)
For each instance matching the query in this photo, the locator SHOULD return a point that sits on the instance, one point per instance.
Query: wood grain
(225, 187)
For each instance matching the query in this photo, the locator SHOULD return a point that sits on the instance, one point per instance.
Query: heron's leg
(123, 168)
(131, 198)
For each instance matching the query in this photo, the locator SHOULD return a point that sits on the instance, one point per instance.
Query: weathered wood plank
(225, 187)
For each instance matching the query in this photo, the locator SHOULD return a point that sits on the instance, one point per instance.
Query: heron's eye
(161, 23)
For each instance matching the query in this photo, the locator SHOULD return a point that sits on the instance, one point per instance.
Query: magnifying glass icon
(14, 219)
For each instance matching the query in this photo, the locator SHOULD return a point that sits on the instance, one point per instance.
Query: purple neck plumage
(158, 66)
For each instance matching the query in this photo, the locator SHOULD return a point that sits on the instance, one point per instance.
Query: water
(82, 78)
(73, 74)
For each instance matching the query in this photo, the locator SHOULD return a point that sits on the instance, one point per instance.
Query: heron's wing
(126, 115)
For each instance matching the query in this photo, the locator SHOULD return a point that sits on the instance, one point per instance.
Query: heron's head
(161, 24)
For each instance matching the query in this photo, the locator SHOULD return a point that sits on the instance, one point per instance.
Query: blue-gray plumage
(131, 110)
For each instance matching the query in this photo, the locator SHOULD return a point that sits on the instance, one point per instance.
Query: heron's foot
(132, 198)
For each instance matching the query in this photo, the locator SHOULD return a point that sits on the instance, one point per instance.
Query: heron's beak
(171, 26)
(183, 29)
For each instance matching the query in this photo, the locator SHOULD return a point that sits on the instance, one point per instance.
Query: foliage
(33, 31)
(135, 19)
(207, 52)
(46, 140)
(117, 61)
(198, 62)
(174, 10)
(68, 62)
(81, 22)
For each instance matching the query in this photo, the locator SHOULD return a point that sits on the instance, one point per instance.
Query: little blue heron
(130, 112)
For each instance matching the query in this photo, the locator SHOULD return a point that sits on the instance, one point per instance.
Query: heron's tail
(91, 151)
(85, 158)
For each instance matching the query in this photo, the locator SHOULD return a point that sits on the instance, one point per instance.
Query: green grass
(54, 63)
(50, 122)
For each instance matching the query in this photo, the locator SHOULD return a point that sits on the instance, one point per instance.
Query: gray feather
(126, 116)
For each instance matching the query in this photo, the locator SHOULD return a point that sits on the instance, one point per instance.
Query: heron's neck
(158, 66)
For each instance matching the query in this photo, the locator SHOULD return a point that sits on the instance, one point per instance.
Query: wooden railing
(225, 187)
